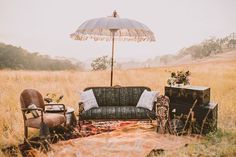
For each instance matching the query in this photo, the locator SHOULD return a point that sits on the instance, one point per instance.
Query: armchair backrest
(31, 96)
(118, 96)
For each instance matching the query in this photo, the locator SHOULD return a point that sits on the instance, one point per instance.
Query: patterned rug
(118, 139)
(90, 128)
(93, 128)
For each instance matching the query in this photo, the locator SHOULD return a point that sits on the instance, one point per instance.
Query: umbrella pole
(112, 58)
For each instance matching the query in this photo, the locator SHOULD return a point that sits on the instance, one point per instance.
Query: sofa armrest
(154, 105)
(81, 107)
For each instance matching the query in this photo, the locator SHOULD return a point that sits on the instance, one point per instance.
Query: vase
(180, 85)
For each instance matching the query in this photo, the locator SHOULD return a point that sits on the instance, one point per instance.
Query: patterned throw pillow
(147, 99)
(34, 113)
(89, 100)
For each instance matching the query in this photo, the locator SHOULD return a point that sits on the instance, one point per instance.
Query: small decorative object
(162, 113)
(53, 98)
(179, 78)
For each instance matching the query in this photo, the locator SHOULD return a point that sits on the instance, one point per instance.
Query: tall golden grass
(219, 75)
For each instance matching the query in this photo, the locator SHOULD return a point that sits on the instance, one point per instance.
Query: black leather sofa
(117, 103)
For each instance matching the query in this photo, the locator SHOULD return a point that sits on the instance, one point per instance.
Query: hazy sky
(45, 25)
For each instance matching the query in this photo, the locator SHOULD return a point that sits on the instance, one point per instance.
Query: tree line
(12, 57)
(206, 48)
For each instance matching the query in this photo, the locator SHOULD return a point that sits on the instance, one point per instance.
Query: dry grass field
(219, 75)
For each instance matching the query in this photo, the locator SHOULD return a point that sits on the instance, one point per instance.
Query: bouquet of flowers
(179, 77)
(53, 98)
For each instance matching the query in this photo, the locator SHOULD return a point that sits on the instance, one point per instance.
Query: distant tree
(211, 46)
(183, 52)
(101, 63)
(166, 59)
(118, 66)
(205, 49)
(12, 57)
(195, 51)
(232, 41)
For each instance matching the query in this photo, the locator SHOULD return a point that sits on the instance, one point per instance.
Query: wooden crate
(188, 94)
(206, 115)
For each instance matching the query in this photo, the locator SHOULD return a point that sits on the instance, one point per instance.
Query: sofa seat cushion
(50, 119)
(117, 112)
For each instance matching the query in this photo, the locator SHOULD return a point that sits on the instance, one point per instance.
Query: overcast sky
(45, 25)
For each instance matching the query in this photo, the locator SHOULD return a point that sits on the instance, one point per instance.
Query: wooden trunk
(205, 115)
(188, 94)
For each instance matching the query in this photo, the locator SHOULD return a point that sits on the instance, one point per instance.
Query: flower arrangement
(53, 98)
(179, 77)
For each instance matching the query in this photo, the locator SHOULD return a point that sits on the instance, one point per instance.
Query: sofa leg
(80, 123)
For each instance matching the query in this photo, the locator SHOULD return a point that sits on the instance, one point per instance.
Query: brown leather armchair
(32, 96)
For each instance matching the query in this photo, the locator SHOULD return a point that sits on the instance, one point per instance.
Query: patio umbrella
(113, 28)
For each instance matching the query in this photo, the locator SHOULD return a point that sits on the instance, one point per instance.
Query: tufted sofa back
(118, 96)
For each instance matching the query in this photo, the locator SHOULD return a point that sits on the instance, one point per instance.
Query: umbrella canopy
(113, 28)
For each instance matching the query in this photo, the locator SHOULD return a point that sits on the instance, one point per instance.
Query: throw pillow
(34, 113)
(89, 100)
(147, 99)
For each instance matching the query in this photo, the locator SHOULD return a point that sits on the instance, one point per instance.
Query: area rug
(93, 128)
(125, 139)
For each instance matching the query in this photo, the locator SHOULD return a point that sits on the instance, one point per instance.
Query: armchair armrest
(64, 107)
(32, 109)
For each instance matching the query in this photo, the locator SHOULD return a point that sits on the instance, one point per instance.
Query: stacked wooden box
(182, 99)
